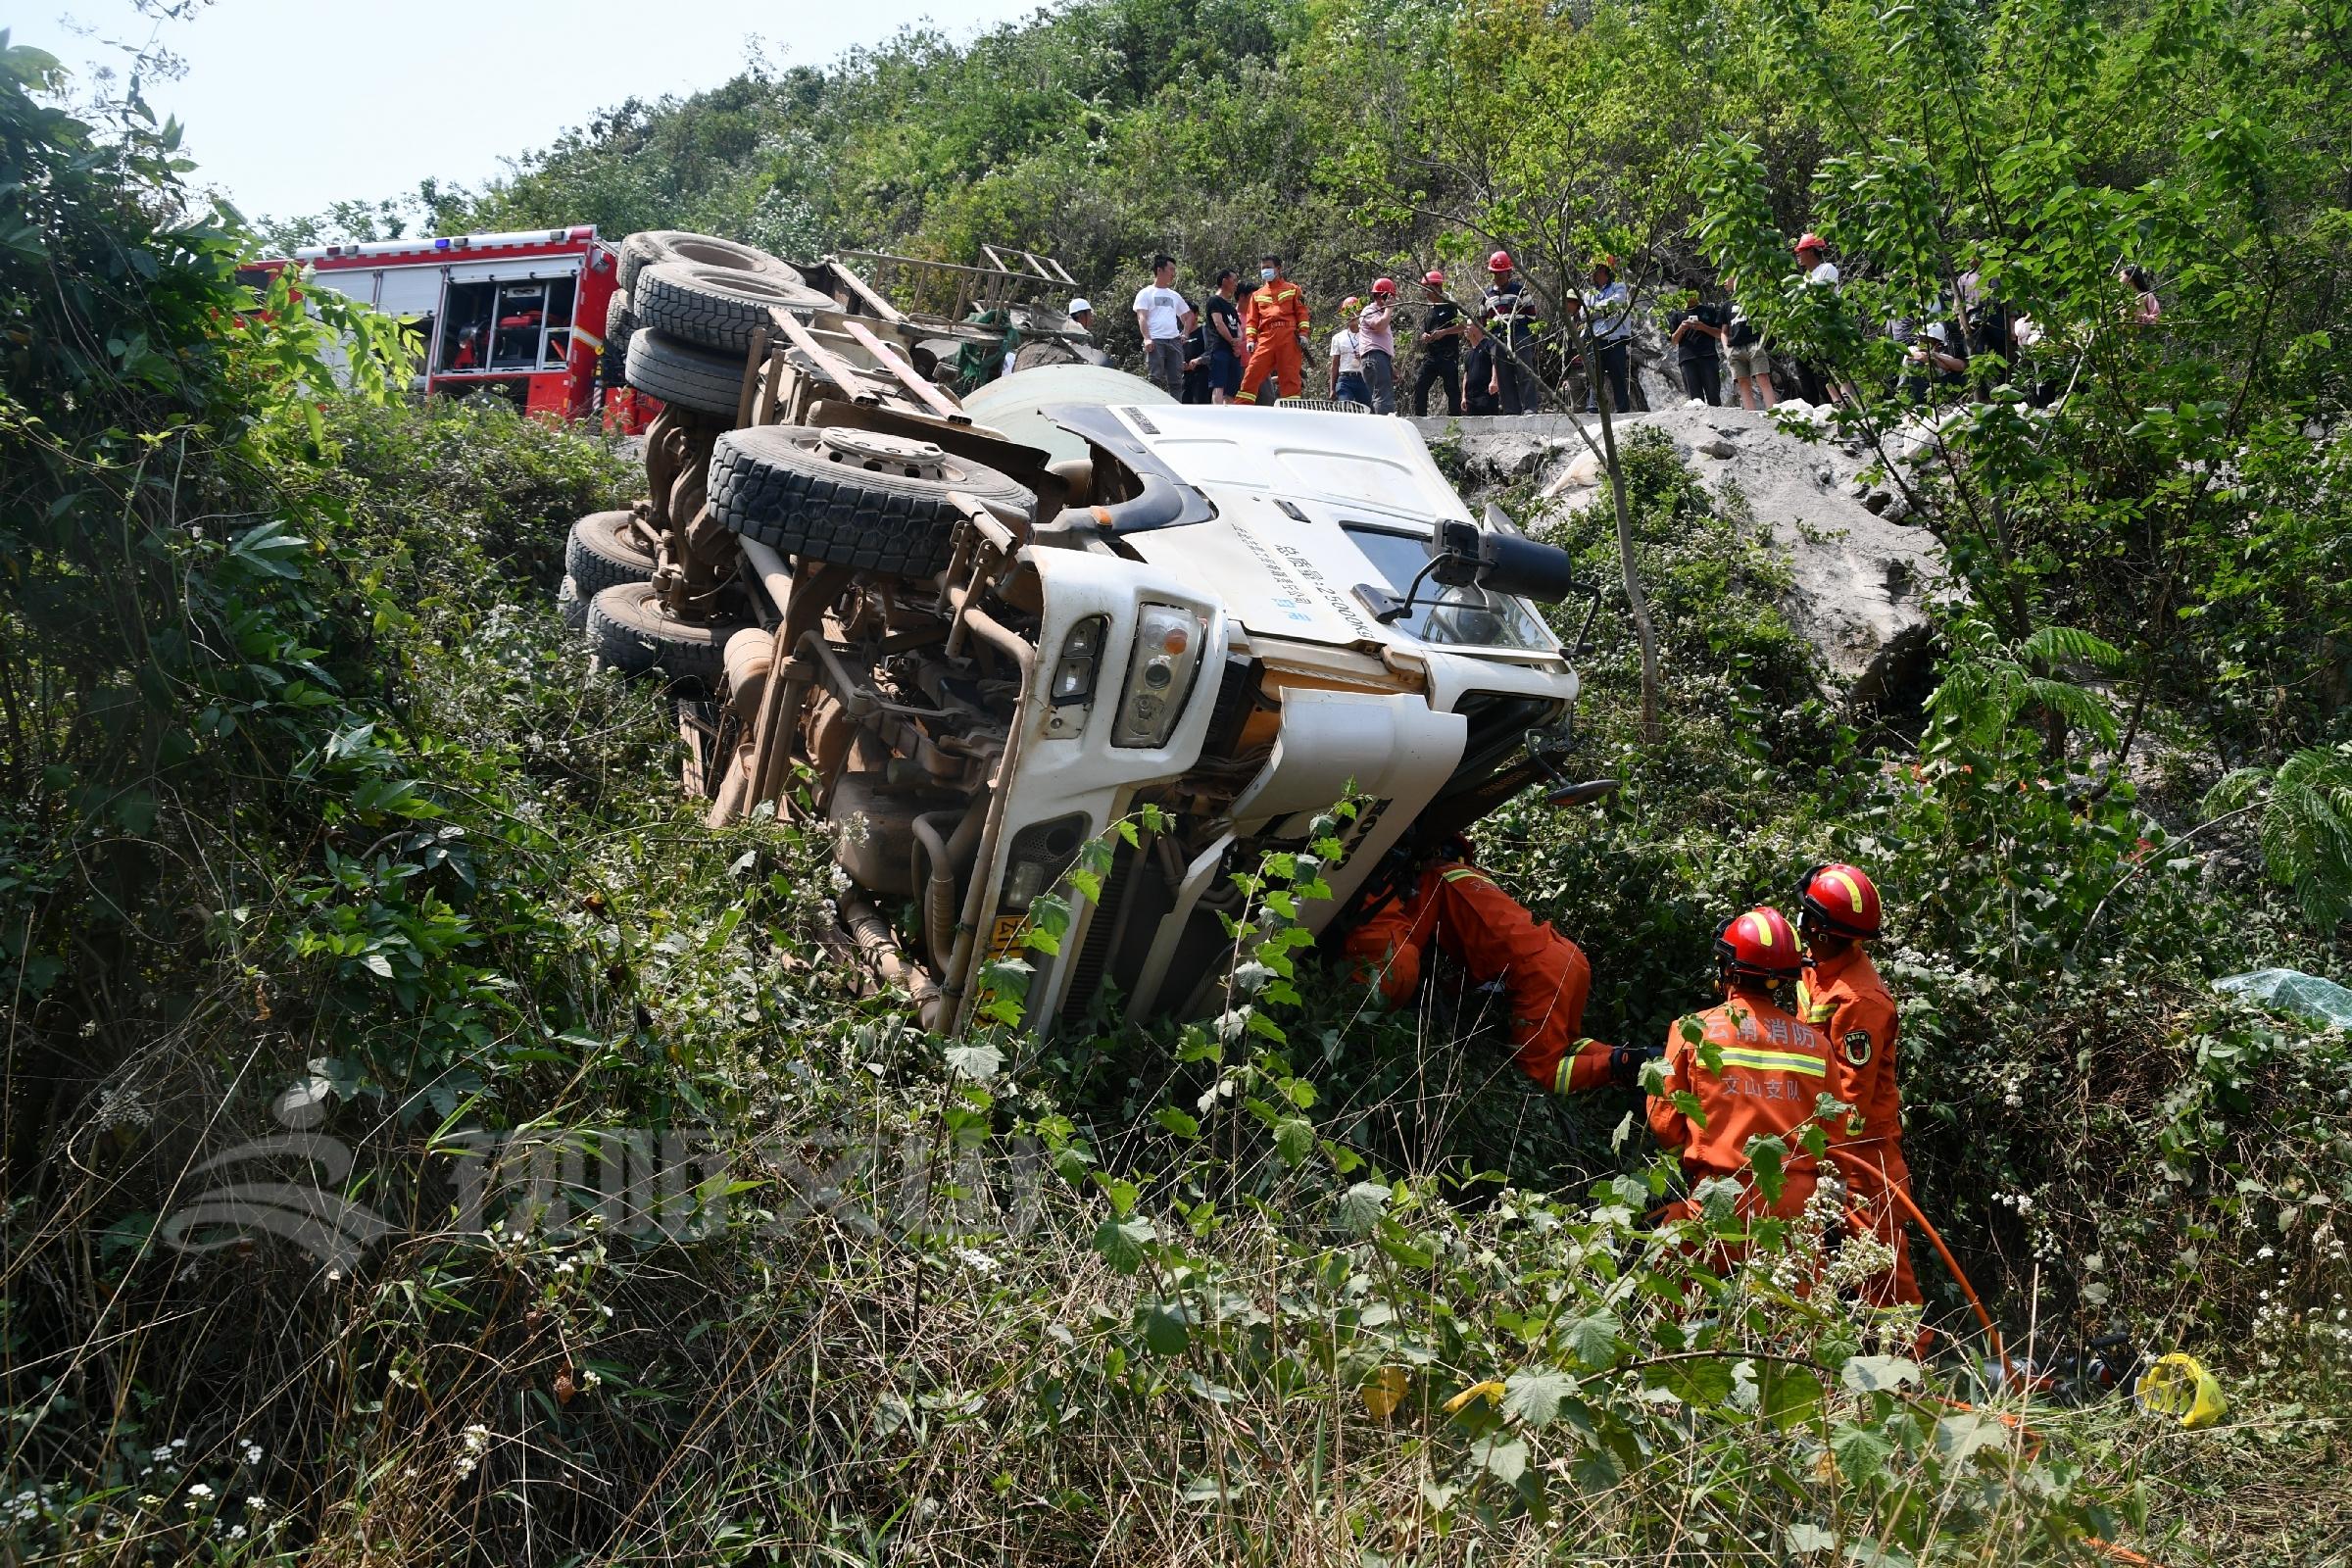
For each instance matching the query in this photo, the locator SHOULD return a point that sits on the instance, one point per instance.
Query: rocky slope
(1864, 581)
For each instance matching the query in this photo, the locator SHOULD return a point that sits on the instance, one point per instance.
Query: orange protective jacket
(1273, 320)
(1493, 937)
(1774, 1069)
(1844, 998)
(1275, 312)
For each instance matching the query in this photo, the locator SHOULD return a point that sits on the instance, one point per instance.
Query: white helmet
(1080, 307)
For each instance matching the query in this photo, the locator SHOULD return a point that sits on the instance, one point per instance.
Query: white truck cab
(970, 636)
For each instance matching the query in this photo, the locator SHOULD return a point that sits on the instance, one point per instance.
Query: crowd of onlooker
(1250, 342)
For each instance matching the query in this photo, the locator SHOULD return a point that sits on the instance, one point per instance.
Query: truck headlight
(1159, 674)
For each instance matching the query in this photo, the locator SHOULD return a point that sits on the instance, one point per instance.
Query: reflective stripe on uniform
(1775, 1060)
(1808, 1009)
(1461, 871)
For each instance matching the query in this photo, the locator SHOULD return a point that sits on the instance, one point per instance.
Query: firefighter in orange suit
(1772, 1069)
(1493, 937)
(1274, 334)
(1838, 911)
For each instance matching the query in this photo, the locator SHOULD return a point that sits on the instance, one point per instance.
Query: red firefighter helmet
(1759, 946)
(1810, 242)
(1499, 262)
(1841, 898)
(1383, 285)
(1435, 279)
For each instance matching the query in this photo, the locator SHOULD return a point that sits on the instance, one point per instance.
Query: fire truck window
(467, 327)
(558, 323)
(522, 318)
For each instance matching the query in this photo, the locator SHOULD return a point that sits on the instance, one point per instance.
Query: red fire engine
(521, 314)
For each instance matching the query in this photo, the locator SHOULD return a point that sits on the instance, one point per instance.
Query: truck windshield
(1460, 617)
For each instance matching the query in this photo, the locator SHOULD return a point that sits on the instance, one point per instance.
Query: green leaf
(1787, 1396)
(1362, 1206)
(1704, 1384)
(1960, 1437)
(1165, 1332)
(1503, 1458)
(1295, 1138)
(1177, 1122)
(1877, 1374)
(1803, 1536)
(1122, 1242)
(1861, 1453)
(1593, 1339)
(1534, 1396)
(1767, 1158)
(976, 1062)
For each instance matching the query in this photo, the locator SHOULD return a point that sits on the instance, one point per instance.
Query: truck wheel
(631, 631)
(599, 552)
(651, 247)
(697, 379)
(613, 365)
(852, 498)
(715, 307)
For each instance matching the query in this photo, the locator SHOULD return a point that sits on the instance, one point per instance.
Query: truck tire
(697, 379)
(715, 307)
(600, 553)
(649, 247)
(852, 498)
(613, 365)
(631, 630)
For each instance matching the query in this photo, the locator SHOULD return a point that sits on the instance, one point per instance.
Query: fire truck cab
(518, 313)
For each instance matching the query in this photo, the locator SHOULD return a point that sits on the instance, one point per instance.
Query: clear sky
(291, 106)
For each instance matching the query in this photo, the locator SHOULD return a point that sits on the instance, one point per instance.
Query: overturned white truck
(974, 635)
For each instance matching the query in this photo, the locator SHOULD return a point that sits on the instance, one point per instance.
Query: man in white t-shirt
(1162, 319)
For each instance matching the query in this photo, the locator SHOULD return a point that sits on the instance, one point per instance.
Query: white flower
(251, 1451)
(256, 1504)
(160, 1454)
(198, 1494)
(237, 1532)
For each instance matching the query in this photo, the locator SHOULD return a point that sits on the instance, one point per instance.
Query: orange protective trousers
(1493, 937)
(1277, 356)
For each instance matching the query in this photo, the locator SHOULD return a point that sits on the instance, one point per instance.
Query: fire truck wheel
(631, 631)
(717, 307)
(612, 367)
(852, 498)
(601, 552)
(697, 379)
(651, 246)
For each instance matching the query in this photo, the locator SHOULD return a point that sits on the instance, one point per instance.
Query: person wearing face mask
(1274, 328)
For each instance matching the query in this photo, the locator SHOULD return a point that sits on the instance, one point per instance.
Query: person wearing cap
(1083, 313)
(1375, 341)
(1842, 996)
(1610, 310)
(1813, 255)
(1441, 333)
(1346, 375)
(1931, 360)
(1697, 332)
(1509, 315)
(1769, 1070)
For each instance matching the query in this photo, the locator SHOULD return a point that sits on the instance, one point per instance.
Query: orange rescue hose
(2104, 1548)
